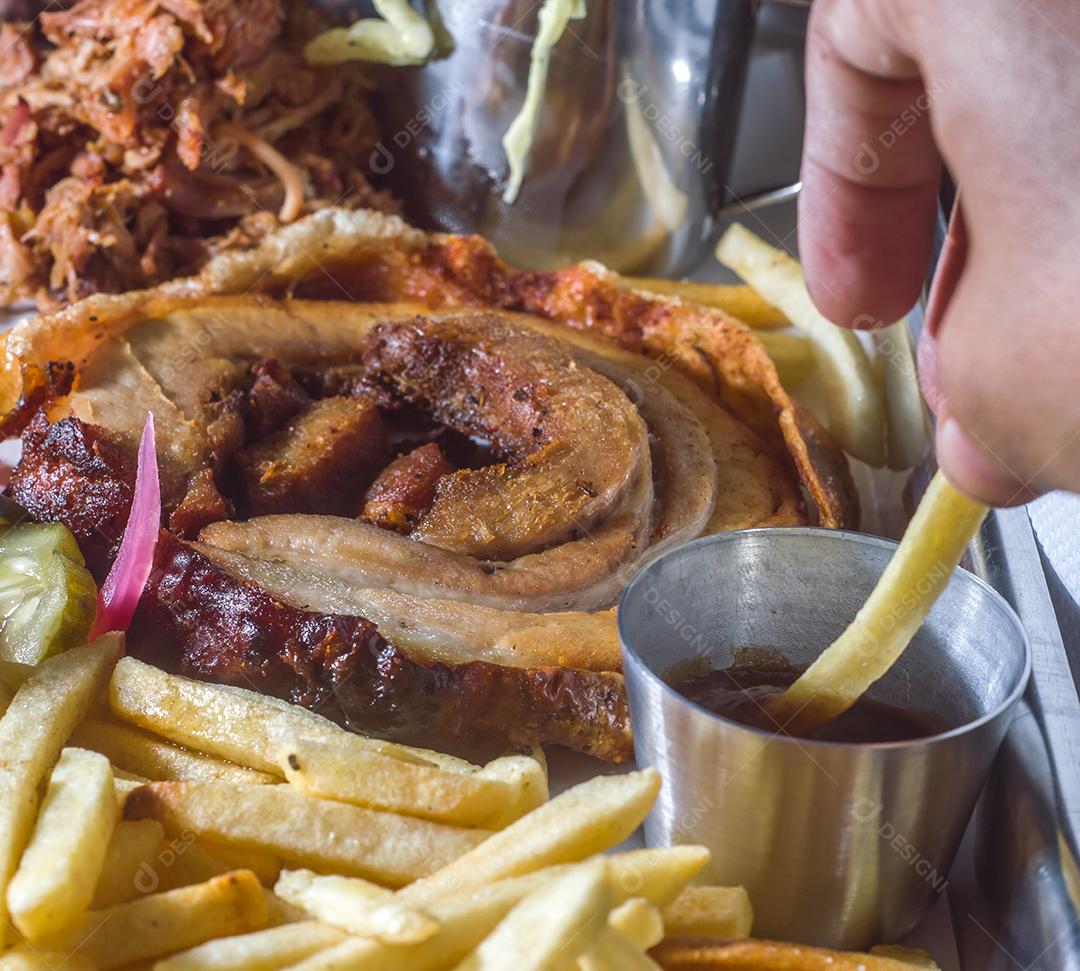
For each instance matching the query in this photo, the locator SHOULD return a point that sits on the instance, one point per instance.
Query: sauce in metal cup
(843, 845)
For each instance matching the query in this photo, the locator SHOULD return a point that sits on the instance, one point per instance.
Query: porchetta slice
(415, 516)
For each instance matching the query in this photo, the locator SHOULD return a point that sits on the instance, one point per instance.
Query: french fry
(161, 923)
(130, 854)
(695, 953)
(792, 355)
(153, 758)
(125, 783)
(853, 398)
(908, 424)
(465, 919)
(551, 926)
(28, 958)
(527, 775)
(739, 300)
(35, 726)
(356, 906)
(13, 674)
(710, 912)
(613, 952)
(639, 921)
(323, 770)
(234, 724)
(909, 955)
(265, 950)
(181, 860)
(920, 569)
(587, 819)
(316, 833)
(265, 866)
(59, 869)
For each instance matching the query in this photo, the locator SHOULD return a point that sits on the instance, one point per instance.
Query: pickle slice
(47, 596)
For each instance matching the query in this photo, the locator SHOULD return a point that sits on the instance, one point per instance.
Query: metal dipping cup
(838, 845)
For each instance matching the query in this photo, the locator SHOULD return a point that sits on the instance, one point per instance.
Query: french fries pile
(150, 821)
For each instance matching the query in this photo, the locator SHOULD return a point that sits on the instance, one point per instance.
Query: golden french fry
(908, 424)
(738, 300)
(356, 906)
(28, 958)
(710, 912)
(281, 911)
(182, 860)
(920, 569)
(329, 836)
(125, 783)
(41, 716)
(792, 355)
(613, 952)
(162, 923)
(639, 921)
(551, 926)
(130, 855)
(528, 778)
(265, 866)
(466, 918)
(59, 869)
(694, 953)
(234, 724)
(266, 950)
(331, 771)
(13, 674)
(590, 818)
(153, 758)
(909, 955)
(854, 400)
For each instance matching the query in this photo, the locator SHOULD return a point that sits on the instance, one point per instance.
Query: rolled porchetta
(414, 519)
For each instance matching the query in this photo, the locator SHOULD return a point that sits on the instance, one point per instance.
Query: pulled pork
(138, 138)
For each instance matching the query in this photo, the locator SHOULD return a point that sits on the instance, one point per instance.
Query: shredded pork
(138, 138)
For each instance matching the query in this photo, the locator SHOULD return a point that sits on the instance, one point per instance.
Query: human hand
(991, 86)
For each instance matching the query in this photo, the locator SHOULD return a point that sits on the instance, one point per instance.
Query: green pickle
(47, 596)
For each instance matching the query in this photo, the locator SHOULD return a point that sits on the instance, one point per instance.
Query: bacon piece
(320, 463)
(405, 489)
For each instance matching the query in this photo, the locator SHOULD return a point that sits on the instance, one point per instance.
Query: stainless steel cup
(838, 845)
(629, 163)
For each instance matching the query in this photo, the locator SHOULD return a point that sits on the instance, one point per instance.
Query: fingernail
(975, 470)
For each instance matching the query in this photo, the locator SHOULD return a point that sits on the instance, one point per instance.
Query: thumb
(972, 467)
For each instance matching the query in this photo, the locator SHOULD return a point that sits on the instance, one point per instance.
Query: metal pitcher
(632, 146)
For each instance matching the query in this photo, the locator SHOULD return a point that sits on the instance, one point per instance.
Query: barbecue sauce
(741, 693)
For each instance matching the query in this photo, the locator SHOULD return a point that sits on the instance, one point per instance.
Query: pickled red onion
(119, 594)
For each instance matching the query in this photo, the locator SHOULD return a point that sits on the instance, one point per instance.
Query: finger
(973, 468)
(870, 167)
(1005, 352)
